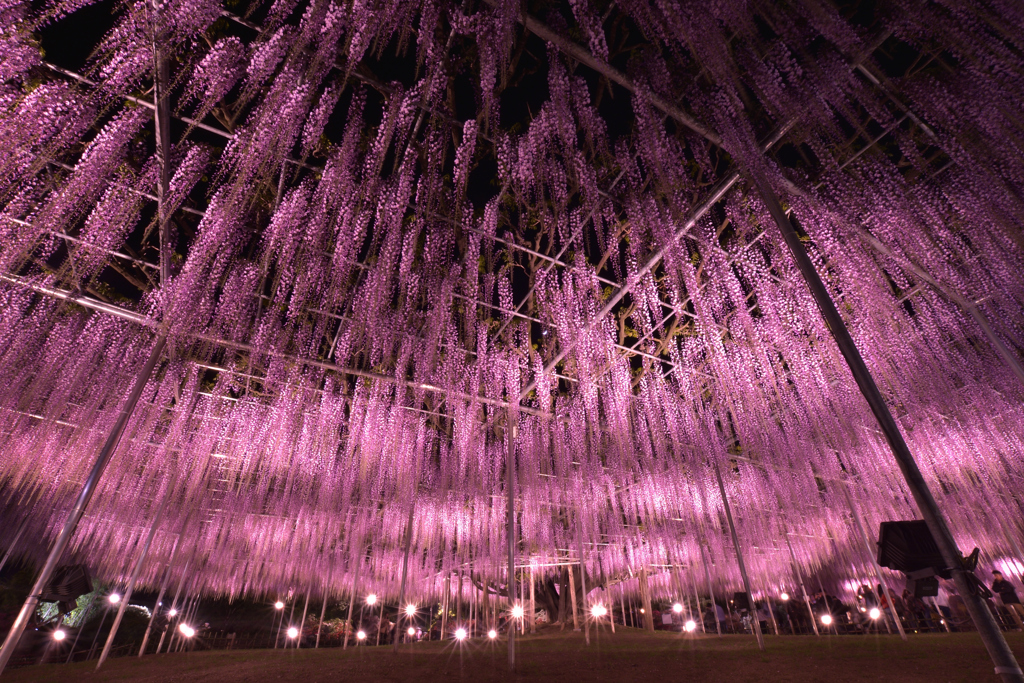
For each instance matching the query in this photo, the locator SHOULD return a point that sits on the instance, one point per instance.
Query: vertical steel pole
(874, 563)
(14, 542)
(803, 589)
(160, 595)
(739, 560)
(302, 624)
(583, 583)
(135, 573)
(511, 425)
(572, 596)
(88, 489)
(1006, 665)
(323, 612)
(85, 619)
(174, 608)
(533, 601)
(405, 575)
(711, 590)
(352, 599)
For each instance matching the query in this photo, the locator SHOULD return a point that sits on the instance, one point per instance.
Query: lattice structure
(375, 234)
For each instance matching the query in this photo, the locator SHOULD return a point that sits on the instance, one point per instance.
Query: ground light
(410, 610)
(690, 626)
(292, 632)
(59, 635)
(598, 611)
(677, 608)
(875, 613)
(371, 599)
(784, 596)
(186, 630)
(114, 598)
(278, 605)
(172, 613)
(826, 619)
(361, 635)
(411, 631)
(460, 634)
(492, 634)
(517, 612)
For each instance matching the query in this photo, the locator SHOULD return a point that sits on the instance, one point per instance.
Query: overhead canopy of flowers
(375, 234)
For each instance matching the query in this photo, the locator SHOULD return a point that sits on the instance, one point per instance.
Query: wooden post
(645, 595)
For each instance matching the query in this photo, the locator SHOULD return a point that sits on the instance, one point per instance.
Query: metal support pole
(320, 624)
(135, 573)
(739, 559)
(444, 605)
(1006, 665)
(174, 607)
(291, 620)
(352, 599)
(160, 595)
(302, 624)
(711, 590)
(511, 425)
(874, 563)
(405, 574)
(88, 488)
(85, 620)
(14, 542)
(584, 612)
(803, 589)
(533, 601)
(611, 606)
(572, 596)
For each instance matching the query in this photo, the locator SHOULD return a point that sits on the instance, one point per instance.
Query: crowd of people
(869, 609)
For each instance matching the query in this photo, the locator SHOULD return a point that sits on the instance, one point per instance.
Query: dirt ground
(553, 655)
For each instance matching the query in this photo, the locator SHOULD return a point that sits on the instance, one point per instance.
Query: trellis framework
(366, 233)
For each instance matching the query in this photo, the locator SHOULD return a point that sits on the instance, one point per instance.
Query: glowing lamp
(642, 609)
(460, 634)
(410, 610)
(598, 611)
(492, 634)
(59, 635)
(784, 596)
(172, 613)
(292, 632)
(677, 608)
(278, 605)
(371, 599)
(361, 635)
(114, 598)
(411, 631)
(517, 612)
(690, 626)
(826, 619)
(187, 630)
(875, 613)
